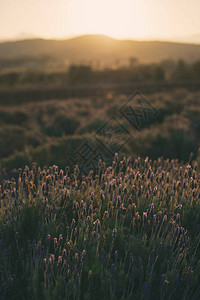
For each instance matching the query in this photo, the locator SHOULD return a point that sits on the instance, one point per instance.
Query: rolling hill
(90, 48)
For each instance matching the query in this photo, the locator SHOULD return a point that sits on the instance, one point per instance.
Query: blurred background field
(95, 59)
(55, 95)
(48, 132)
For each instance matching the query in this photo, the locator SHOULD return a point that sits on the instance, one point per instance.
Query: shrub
(19, 160)
(92, 127)
(62, 126)
(20, 118)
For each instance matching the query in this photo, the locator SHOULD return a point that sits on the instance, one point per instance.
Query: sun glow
(135, 19)
(116, 18)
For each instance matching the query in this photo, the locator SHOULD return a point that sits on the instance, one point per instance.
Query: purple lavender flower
(112, 269)
(77, 279)
(51, 258)
(151, 256)
(114, 232)
(60, 239)
(159, 248)
(69, 246)
(90, 210)
(48, 238)
(64, 253)
(97, 225)
(144, 217)
(88, 220)
(116, 254)
(44, 262)
(59, 260)
(92, 196)
(177, 209)
(76, 232)
(73, 223)
(55, 242)
(118, 201)
(155, 190)
(76, 257)
(16, 236)
(102, 197)
(165, 220)
(83, 255)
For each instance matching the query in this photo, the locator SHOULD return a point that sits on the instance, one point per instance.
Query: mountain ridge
(94, 47)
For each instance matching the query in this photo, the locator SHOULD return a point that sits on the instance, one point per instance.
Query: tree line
(134, 71)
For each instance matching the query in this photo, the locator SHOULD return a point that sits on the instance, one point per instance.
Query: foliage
(50, 132)
(130, 232)
(79, 74)
(61, 126)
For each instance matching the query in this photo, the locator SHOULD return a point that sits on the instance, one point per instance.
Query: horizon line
(167, 40)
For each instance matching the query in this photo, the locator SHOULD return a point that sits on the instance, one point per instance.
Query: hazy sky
(117, 18)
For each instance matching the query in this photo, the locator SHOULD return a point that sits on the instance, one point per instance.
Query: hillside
(98, 47)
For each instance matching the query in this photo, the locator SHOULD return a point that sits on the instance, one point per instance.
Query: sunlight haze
(127, 19)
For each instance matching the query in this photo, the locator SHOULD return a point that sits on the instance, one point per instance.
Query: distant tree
(12, 78)
(181, 71)
(133, 61)
(196, 70)
(146, 72)
(79, 74)
(159, 74)
(168, 64)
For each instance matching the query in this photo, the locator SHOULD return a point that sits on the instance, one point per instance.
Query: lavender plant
(132, 231)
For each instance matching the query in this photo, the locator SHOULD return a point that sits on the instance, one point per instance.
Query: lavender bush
(132, 231)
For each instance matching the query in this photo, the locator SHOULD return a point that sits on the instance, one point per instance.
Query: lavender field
(99, 150)
(129, 232)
